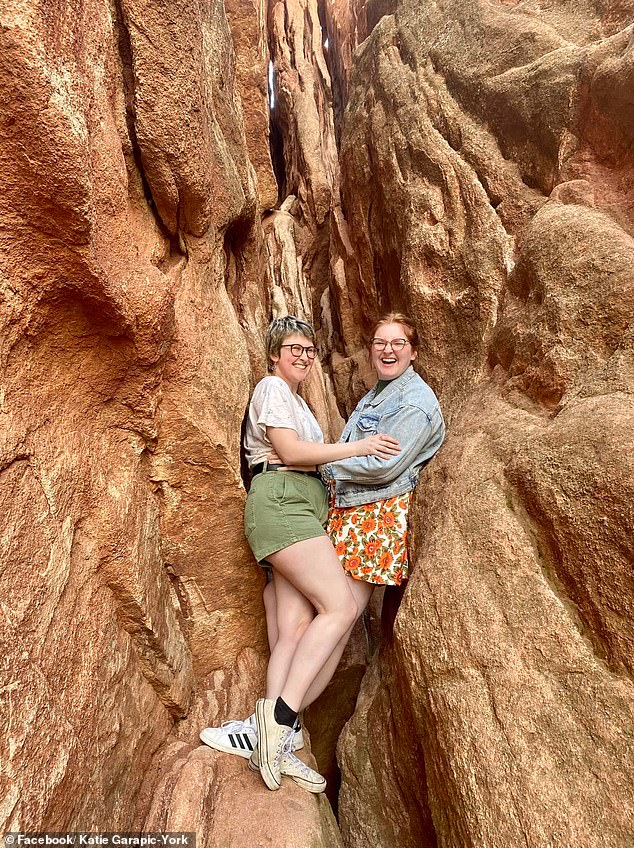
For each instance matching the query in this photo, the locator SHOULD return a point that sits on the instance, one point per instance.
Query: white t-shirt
(273, 404)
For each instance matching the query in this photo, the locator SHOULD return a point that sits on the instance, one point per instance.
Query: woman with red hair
(369, 495)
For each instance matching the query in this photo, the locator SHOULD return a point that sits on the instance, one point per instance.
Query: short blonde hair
(280, 329)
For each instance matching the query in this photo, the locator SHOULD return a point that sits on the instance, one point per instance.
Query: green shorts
(283, 507)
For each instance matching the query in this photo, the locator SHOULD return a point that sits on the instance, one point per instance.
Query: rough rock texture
(484, 184)
(502, 713)
(132, 301)
(248, 22)
(310, 230)
(290, 275)
(217, 796)
(307, 238)
(303, 111)
(347, 25)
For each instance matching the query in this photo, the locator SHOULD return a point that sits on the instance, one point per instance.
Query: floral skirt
(371, 539)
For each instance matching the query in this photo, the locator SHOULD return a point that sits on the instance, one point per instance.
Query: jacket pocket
(368, 424)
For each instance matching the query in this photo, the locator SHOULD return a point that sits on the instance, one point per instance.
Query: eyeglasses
(396, 344)
(298, 350)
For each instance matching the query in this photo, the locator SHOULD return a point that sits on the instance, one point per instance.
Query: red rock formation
(485, 186)
(129, 235)
(248, 23)
(502, 712)
(302, 109)
(340, 300)
(347, 25)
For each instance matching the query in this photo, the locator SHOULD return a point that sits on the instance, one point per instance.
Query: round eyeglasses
(396, 344)
(298, 350)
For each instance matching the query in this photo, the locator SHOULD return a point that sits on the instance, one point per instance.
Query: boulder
(501, 711)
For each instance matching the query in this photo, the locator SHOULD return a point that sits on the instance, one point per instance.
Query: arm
(417, 436)
(292, 451)
(274, 459)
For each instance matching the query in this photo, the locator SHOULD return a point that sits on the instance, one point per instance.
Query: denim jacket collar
(392, 387)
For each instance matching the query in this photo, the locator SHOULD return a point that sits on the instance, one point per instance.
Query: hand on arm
(293, 452)
(416, 434)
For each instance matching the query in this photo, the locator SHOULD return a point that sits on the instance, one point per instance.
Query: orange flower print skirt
(371, 539)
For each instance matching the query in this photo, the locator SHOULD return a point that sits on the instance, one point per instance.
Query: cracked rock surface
(501, 711)
(469, 162)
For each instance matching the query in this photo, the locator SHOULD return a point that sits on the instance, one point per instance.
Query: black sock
(284, 714)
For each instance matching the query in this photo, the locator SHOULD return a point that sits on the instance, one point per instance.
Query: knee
(349, 612)
(292, 629)
(344, 609)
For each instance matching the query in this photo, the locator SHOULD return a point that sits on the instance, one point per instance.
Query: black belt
(259, 468)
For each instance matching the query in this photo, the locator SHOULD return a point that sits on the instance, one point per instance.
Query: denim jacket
(408, 410)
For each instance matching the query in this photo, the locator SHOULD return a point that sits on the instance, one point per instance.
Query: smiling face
(389, 363)
(293, 369)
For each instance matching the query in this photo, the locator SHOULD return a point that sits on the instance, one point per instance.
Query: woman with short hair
(369, 503)
(285, 513)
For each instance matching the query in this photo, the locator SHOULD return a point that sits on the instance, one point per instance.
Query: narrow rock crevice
(276, 138)
(163, 204)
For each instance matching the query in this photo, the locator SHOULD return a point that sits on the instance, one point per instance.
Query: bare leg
(313, 568)
(290, 627)
(270, 611)
(362, 593)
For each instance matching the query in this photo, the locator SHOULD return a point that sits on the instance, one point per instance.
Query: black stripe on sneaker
(232, 740)
(239, 739)
(248, 742)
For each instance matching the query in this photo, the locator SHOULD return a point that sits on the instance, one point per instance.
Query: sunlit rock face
(134, 298)
(483, 183)
(486, 176)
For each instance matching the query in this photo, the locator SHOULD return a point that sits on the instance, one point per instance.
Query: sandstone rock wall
(486, 177)
(133, 299)
(480, 178)
(298, 233)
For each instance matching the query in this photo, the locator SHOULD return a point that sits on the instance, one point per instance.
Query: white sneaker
(291, 766)
(241, 737)
(232, 737)
(273, 740)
